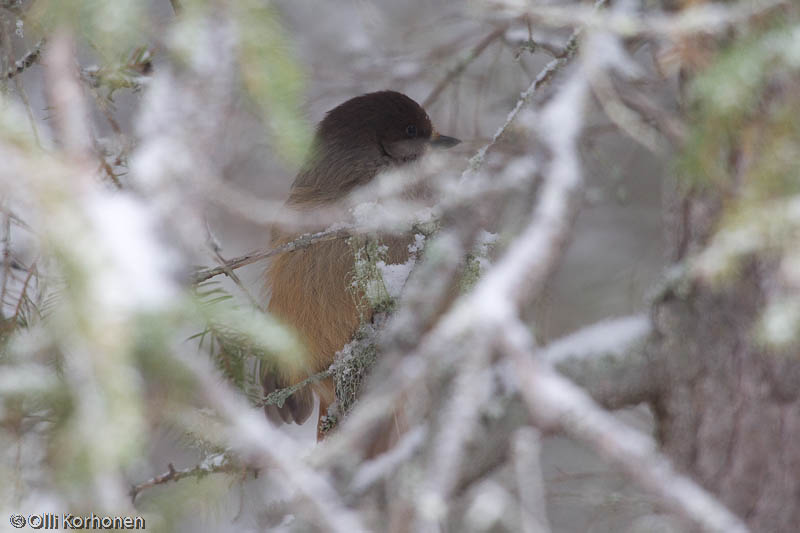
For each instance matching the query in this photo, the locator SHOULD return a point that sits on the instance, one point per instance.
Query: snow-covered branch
(704, 18)
(557, 404)
(609, 360)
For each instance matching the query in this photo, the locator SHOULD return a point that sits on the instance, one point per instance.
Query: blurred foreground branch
(557, 404)
(708, 17)
(213, 465)
(30, 57)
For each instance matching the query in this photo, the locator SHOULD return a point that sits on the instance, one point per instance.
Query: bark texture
(728, 412)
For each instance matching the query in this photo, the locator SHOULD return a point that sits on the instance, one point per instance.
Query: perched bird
(311, 288)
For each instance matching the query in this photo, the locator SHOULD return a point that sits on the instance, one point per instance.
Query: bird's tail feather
(297, 407)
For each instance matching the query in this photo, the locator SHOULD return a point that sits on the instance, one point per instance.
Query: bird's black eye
(411, 131)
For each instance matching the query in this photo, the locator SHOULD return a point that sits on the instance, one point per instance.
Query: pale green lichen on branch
(353, 365)
(368, 288)
(279, 396)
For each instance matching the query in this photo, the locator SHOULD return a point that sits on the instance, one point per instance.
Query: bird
(311, 287)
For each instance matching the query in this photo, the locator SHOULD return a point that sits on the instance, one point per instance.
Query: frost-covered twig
(23, 294)
(526, 265)
(304, 241)
(612, 336)
(216, 249)
(278, 397)
(6, 242)
(218, 464)
(540, 81)
(31, 57)
(705, 18)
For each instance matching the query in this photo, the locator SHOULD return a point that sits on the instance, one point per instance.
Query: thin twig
(24, 290)
(27, 60)
(533, 46)
(278, 397)
(459, 68)
(301, 242)
(544, 77)
(6, 259)
(197, 471)
(216, 249)
(18, 67)
(667, 123)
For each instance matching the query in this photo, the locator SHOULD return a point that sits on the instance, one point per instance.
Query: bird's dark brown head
(360, 138)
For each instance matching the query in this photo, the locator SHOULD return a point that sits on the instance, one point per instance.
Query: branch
(24, 291)
(216, 249)
(65, 96)
(528, 262)
(556, 403)
(263, 445)
(278, 397)
(27, 60)
(627, 120)
(459, 68)
(706, 19)
(198, 471)
(304, 241)
(544, 77)
(608, 360)
(670, 126)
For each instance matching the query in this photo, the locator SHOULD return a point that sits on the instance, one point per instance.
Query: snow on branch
(304, 241)
(262, 445)
(704, 18)
(30, 57)
(612, 337)
(214, 464)
(66, 97)
(609, 360)
(557, 404)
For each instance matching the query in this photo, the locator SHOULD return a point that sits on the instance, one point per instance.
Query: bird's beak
(443, 141)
